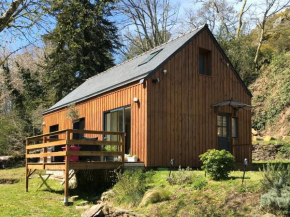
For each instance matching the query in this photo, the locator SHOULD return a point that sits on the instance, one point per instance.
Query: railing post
(26, 166)
(66, 180)
(44, 150)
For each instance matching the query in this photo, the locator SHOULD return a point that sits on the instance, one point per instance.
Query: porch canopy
(233, 104)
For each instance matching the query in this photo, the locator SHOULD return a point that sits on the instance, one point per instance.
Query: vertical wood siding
(93, 112)
(181, 122)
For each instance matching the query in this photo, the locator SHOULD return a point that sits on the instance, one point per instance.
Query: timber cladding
(181, 121)
(93, 112)
(174, 118)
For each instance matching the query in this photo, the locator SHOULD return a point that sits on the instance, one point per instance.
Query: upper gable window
(150, 57)
(204, 62)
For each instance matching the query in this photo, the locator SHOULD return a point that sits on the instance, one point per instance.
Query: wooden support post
(123, 149)
(26, 167)
(66, 172)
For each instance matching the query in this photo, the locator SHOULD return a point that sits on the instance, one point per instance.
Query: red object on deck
(73, 158)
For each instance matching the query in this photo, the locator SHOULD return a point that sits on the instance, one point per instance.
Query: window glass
(220, 133)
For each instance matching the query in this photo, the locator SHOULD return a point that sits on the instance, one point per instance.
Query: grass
(217, 198)
(14, 201)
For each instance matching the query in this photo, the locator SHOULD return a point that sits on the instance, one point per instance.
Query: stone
(286, 137)
(82, 208)
(268, 138)
(95, 210)
(83, 203)
(254, 132)
(74, 198)
(269, 215)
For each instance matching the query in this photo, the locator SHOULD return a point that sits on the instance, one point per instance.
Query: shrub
(277, 200)
(199, 182)
(181, 177)
(273, 174)
(217, 164)
(155, 195)
(275, 185)
(130, 187)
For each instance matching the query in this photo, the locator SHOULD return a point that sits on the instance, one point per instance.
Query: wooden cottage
(173, 102)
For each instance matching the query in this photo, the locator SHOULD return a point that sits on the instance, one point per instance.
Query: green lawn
(14, 201)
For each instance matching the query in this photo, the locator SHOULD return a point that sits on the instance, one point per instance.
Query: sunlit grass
(14, 201)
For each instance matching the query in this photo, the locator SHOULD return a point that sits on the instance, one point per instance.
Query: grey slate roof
(123, 73)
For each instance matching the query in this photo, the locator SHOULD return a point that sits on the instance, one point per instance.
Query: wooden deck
(37, 150)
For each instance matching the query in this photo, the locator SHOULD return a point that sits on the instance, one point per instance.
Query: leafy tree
(81, 44)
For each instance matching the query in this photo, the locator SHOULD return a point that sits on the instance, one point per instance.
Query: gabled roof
(127, 72)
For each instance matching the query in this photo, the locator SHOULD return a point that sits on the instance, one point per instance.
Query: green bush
(155, 195)
(276, 200)
(199, 183)
(186, 177)
(275, 188)
(181, 177)
(273, 174)
(130, 186)
(217, 164)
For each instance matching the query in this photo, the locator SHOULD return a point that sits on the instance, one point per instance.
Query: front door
(223, 126)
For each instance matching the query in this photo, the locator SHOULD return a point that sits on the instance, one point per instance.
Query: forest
(49, 47)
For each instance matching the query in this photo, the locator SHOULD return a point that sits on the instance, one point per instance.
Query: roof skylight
(150, 57)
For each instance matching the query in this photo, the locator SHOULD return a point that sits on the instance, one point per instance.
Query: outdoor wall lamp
(43, 123)
(155, 80)
(135, 99)
(164, 71)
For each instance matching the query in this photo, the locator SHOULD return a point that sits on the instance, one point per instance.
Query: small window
(150, 57)
(204, 63)
(52, 129)
(234, 127)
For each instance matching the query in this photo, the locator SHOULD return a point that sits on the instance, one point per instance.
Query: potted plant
(132, 158)
(72, 113)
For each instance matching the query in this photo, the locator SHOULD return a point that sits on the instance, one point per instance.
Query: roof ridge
(126, 61)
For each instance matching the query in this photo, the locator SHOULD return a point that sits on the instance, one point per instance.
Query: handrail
(67, 141)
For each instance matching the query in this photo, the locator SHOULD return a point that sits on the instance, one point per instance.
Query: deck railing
(37, 148)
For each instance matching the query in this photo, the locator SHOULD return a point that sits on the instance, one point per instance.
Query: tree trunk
(259, 46)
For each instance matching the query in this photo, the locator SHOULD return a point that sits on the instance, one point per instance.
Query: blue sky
(15, 42)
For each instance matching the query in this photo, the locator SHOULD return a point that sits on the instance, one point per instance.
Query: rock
(254, 138)
(74, 198)
(106, 195)
(84, 203)
(268, 138)
(286, 137)
(82, 208)
(254, 132)
(95, 210)
(269, 215)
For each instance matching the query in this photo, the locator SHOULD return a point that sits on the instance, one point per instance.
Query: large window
(204, 63)
(234, 127)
